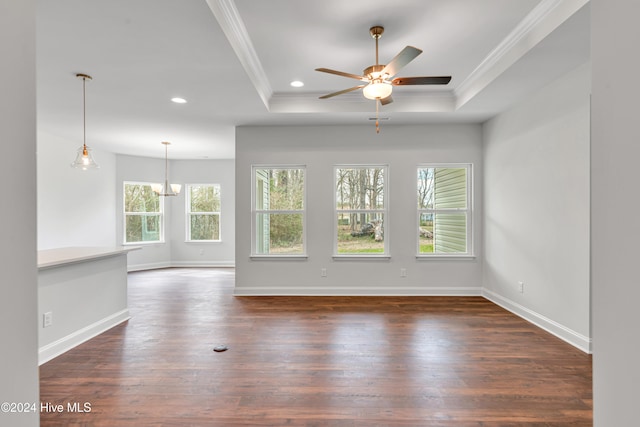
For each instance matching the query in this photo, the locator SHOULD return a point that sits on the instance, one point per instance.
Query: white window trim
(385, 212)
(124, 217)
(469, 254)
(255, 212)
(188, 213)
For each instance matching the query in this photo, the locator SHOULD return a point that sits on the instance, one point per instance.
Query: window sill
(441, 257)
(203, 241)
(355, 257)
(278, 257)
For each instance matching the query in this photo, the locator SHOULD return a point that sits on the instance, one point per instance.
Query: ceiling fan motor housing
(376, 31)
(369, 71)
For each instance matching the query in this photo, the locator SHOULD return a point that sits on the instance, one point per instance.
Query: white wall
(320, 148)
(18, 304)
(202, 253)
(75, 207)
(175, 251)
(85, 298)
(615, 150)
(536, 199)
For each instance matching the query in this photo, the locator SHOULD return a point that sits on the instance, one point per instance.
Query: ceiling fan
(377, 78)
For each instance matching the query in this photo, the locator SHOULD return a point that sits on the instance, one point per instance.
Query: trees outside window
(361, 210)
(278, 210)
(203, 212)
(143, 214)
(444, 213)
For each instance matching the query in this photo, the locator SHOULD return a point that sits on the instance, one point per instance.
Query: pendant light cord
(84, 115)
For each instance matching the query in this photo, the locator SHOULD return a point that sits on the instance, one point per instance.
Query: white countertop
(60, 256)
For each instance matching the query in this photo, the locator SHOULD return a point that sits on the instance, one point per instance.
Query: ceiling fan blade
(387, 100)
(405, 56)
(404, 81)
(341, 73)
(351, 89)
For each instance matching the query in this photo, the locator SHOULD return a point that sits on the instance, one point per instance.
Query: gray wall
(84, 208)
(175, 251)
(536, 223)
(75, 207)
(204, 253)
(18, 304)
(615, 150)
(320, 148)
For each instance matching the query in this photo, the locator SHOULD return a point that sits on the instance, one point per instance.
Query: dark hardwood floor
(314, 361)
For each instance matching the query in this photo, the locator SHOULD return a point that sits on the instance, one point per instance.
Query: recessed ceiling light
(179, 100)
(296, 83)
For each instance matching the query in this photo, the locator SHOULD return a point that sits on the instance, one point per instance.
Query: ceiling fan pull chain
(377, 121)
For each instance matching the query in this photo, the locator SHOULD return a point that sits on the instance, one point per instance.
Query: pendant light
(164, 190)
(84, 160)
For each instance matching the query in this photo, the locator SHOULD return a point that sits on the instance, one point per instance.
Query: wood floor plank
(315, 361)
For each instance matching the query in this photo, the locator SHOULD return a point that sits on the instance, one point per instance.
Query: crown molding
(230, 21)
(538, 24)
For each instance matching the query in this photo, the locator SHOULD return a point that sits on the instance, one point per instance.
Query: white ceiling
(233, 61)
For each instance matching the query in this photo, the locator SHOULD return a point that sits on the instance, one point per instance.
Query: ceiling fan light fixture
(377, 90)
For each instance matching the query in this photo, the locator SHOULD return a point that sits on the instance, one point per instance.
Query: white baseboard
(572, 337)
(148, 266)
(203, 264)
(356, 291)
(56, 348)
(185, 264)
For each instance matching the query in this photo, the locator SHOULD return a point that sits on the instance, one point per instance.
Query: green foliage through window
(142, 214)
(279, 210)
(203, 211)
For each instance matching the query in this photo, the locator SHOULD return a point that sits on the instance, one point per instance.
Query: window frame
(188, 213)
(125, 214)
(384, 211)
(469, 210)
(255, 212)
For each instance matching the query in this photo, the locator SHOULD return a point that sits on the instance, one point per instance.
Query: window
(361, 210)
(444, 215)
(278, 210)
(203, 212)
(143, 218)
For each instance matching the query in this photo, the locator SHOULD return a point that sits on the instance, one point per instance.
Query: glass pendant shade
(84, 159)
(377, 90)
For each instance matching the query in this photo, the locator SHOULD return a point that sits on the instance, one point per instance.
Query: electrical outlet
(403, 272)
(47, 319)
(521, 287)
(323, 272)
